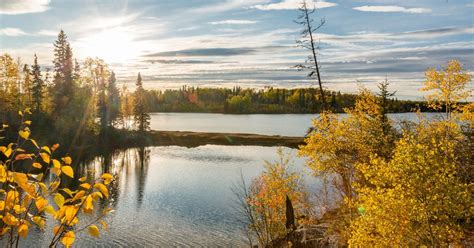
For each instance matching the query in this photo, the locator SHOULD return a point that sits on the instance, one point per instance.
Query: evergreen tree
(26, 85)
(141, 116)
(113, 100)
(38, 85)
(63, 69)
(102, 106)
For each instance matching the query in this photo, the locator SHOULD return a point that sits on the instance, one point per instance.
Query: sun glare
(113, 45)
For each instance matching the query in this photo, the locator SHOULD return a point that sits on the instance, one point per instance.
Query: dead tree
(307, 41)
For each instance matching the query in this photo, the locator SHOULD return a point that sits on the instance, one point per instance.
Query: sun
(113, 46)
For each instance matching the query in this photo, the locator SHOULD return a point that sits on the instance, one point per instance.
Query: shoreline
(195, 139)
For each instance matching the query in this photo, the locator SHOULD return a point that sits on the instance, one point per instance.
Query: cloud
(12, 32)
(233, 22)
(391, 8)
(293, 4)
(16, 7)
(204, 52)
(45, 32)
(179, 62)
(227, 5)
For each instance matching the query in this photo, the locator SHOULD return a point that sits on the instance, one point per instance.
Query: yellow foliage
(68, 171)
(415, 198)
(23, 199)
(93, 230)
(447, 86)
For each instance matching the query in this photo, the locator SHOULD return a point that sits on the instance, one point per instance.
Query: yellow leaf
(34, 143)
(20, 113)
(23, 230)
(6, 151)
(93, 231)
(4, 125)
(46, 149)
(3, 174)
(68, 239)
(2, 205)
(41, 203)
(37, 165)
(107, 176)
(68, 191)
(78, 195)
(24, 134)
(104, 225)
(59, 199)
(45, 157)
(67, 160)
(56, 230)
(50, 210)
(54, 147)
(27, 122)
(43, 188)
(85, 185)
(39, 221)
(82, 179)
(103, 189)
(88, 205)
(68, 171)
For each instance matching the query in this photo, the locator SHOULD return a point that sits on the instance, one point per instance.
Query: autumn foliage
(32, 187)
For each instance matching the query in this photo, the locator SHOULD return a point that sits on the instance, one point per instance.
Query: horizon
(225, 44)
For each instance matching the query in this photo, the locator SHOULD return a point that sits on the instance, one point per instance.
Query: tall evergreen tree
(63, 72)
(37, 86)
(113, 100)
(102, 105)
(141, 116)
(26, 86)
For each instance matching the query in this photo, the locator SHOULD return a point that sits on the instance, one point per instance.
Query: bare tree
(307, 41)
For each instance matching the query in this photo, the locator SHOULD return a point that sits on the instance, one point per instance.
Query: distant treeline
(262, 101)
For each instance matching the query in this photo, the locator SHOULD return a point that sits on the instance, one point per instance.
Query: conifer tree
(141, 116)
(113, 100)
(37, 86)
(63, 72)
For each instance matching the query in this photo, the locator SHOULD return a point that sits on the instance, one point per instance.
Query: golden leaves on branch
(24, 197)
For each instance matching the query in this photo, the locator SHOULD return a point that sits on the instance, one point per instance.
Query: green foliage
(140, 110)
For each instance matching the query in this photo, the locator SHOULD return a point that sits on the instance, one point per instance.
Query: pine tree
(113, 100)
(102, 106)
(141, 117)
(63, 72)
(37, 86)
(26, 84)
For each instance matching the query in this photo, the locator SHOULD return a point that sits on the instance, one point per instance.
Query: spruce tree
(37, 86)
(113, 100)
(141, 116)
(63, 73)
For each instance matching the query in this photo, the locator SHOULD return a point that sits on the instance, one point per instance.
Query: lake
(278, 124)
(178, 196)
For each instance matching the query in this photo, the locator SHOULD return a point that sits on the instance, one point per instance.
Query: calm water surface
(279, 124)
(176, 196)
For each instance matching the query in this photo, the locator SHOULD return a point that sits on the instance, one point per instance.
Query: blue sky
(247, 42)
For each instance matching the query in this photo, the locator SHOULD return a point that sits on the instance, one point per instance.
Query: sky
(249, 43)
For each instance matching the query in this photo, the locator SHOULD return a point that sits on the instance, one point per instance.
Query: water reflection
(172, 196)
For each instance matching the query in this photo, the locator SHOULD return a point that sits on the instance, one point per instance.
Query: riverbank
(194, 139)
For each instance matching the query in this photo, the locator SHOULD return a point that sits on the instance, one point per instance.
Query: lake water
(177, 196)
(278, 124)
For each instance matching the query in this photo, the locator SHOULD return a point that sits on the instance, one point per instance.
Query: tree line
(83, 97)
(268, 100)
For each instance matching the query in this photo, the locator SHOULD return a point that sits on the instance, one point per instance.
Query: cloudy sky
(250, 43)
